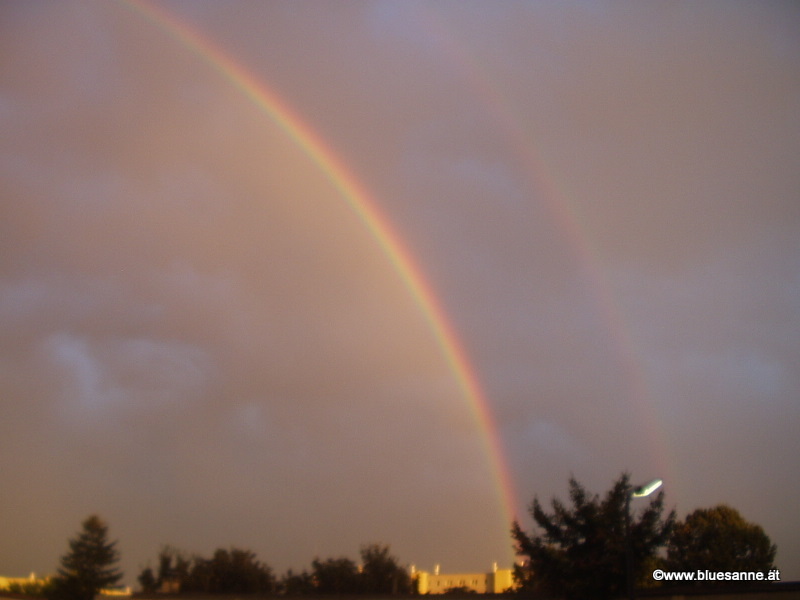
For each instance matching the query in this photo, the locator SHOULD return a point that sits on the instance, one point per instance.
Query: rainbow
(366, 209)
(541, 178)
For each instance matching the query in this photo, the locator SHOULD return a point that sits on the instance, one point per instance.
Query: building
(6, 582)
(33, 580)
(492, 582)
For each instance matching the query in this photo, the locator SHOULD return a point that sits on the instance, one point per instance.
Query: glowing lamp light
(647, 489)
(640, 492)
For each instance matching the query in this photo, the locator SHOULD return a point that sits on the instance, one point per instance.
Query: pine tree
(89, 566)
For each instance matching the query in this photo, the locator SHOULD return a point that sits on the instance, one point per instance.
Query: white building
(495, 581)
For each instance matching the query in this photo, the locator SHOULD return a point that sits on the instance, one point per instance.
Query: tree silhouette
(296, 584)
(581, 551)
(233, 571)
(381, 573)
(89, 566)
(719, 539)
(335, 576)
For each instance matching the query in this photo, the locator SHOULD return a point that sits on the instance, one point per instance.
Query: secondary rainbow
(367, 211)
(542, 180)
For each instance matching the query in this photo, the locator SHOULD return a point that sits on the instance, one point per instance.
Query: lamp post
(639, 492)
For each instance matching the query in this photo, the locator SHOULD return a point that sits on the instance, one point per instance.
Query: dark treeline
(237, 571)
(592, 548)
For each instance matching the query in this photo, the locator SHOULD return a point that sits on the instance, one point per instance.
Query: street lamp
(639, 492)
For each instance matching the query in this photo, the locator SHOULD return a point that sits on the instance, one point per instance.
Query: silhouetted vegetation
(719, 539)
(238, 571)
(580, 552)
(334, 576)
(381, 573)
(233, 571)
(460, 590)
(89, 566)
(296, 584)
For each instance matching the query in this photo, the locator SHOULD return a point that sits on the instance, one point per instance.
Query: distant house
(495, 581)
(171, 584)
(32, 579)
(122, 590)
(6, 582)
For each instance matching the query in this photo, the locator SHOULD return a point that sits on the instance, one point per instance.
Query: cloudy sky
(202, 342)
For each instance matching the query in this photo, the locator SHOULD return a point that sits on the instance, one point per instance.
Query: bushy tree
(238, 571)
(459, 591)
(296, 584)
(173, 566)
(335, 576)
(89, 566)
(147, 581)
(580, 551)
(719, 539)
(234, 571)
(172, 574)
(381, 573)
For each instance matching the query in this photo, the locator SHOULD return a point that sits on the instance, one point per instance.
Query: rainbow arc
(367, 210)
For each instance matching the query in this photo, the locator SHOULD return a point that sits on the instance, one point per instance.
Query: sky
(203, 341)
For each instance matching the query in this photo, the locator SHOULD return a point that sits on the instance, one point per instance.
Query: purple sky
(201, 342)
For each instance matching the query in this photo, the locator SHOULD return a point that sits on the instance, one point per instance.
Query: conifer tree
(89, 566)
